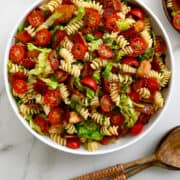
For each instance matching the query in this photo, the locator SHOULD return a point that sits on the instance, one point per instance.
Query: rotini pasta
(100, 119)
(92, 145)
(58, 139)
(51, 5)
(144, 93)
(65, 94)
(73, 27)
(67, 44)
(98, 63)
(114, 93)
(70, 128)
(158, 101)
(66, 55)
(122, 42)
(109, 131)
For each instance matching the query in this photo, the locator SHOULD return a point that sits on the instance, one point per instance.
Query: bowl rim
(65, 149)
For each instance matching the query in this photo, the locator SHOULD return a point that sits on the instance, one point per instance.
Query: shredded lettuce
(90, 93)
(97, 76)
(80, 15)
(149, 53)
(32, 47)
(108, 70)
(119, 55)
(123, 24)
(89, 130)
(35, 127)
(94, 45)
(78, 84)
(90, 37)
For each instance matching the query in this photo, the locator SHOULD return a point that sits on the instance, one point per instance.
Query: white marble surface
(22, 157)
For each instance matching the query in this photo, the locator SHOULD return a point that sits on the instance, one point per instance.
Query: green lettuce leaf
(80, 15)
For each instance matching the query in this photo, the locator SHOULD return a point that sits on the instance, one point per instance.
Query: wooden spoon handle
(107, 172)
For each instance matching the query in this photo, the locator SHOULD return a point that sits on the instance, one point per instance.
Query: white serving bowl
(123, 142)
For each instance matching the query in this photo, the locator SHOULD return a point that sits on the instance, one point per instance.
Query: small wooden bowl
(168, 15)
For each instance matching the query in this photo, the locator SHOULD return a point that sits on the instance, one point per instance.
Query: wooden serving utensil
(167, 13)
(167, 155)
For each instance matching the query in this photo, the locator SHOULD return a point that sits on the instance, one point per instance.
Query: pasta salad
(87, 72)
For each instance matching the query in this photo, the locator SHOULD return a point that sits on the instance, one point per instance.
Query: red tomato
(130, 61)
(98, 34)
(137, 129)
(17, 53)
(90, 82)
(138, 13)
(35, 18)
(43, 37)
(138, 84)
(54, 116)
(87, 70)
(53, 58)
(138, 44)
(176, 5)
(105, 52)
(23, 37)
(143, 118)
(28, 63)
(42, 123)
(33, 54)
(124, 132)
(106, 103)
(117, 5)
(78, 51)
(73, 143)
(58, 37)
(20, 86)
(147, 109)
(67, 2)
(15, 76)
(92, 17)
(79, 38)
(152, 84)
(66, 114)
(52, 98)
(40, 86)
(176, 21)
(134, 96)
(160, 45)
(106, 140)
(61, 76)
(155, 64)
(117, 119)
(110, 22)
(106, 86)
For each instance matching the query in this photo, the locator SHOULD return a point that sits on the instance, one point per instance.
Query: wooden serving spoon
(167, 155)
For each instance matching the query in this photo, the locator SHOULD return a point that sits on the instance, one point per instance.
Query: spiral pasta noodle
(94, 102)
(114, 93)
(147, 37)
(164, 78)
(55, 129)
(58, 139)
(92, 146)
(158, 101)
(66, 55)
(73, 27)
(122, 42)
(100, 119)
(144, 93)
(64, 93)
(29, 110)
(83, 112)
(125, 9)
(67, 44)
(51, 5)
(98, 63)
(127, 50)
(14, 68)
(127, 69)
(109, 131)
(70, 128)
(30, 30)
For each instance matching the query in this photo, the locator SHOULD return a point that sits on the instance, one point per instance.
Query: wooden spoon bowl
(168, 14)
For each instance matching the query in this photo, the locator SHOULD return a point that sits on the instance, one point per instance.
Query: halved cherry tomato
(40, 86)
(20, 86)
(108, 4)
(117, 119)
(143, 118)
(129, 33)
(53, 58)
(138, 45)
(147, 109)
(117, 5)
(134, 96)
(87, 70)
(61, 76)
(160, 45)
(23, 37)
(152, 84)
(52, 98)
(78, 51)
(105, 52)
(176, 21)
(54, 116)
(15, 76)
(92, 18)
(35, 18)
(98, 34)
(106, 103)
(110, 22)
(73, 143)
(138, 84)
(90, 82)
(43, 37)
(106, 86)
(138, 13)
(58, 37)
(130, 61)
(17, 53)
(137, 129)
(33, 54)
(176, 5)
(28, 63)
(79, 38)
(106, 140)
(42, 123)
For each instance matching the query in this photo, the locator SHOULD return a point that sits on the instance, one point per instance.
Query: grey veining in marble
(22, 157)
